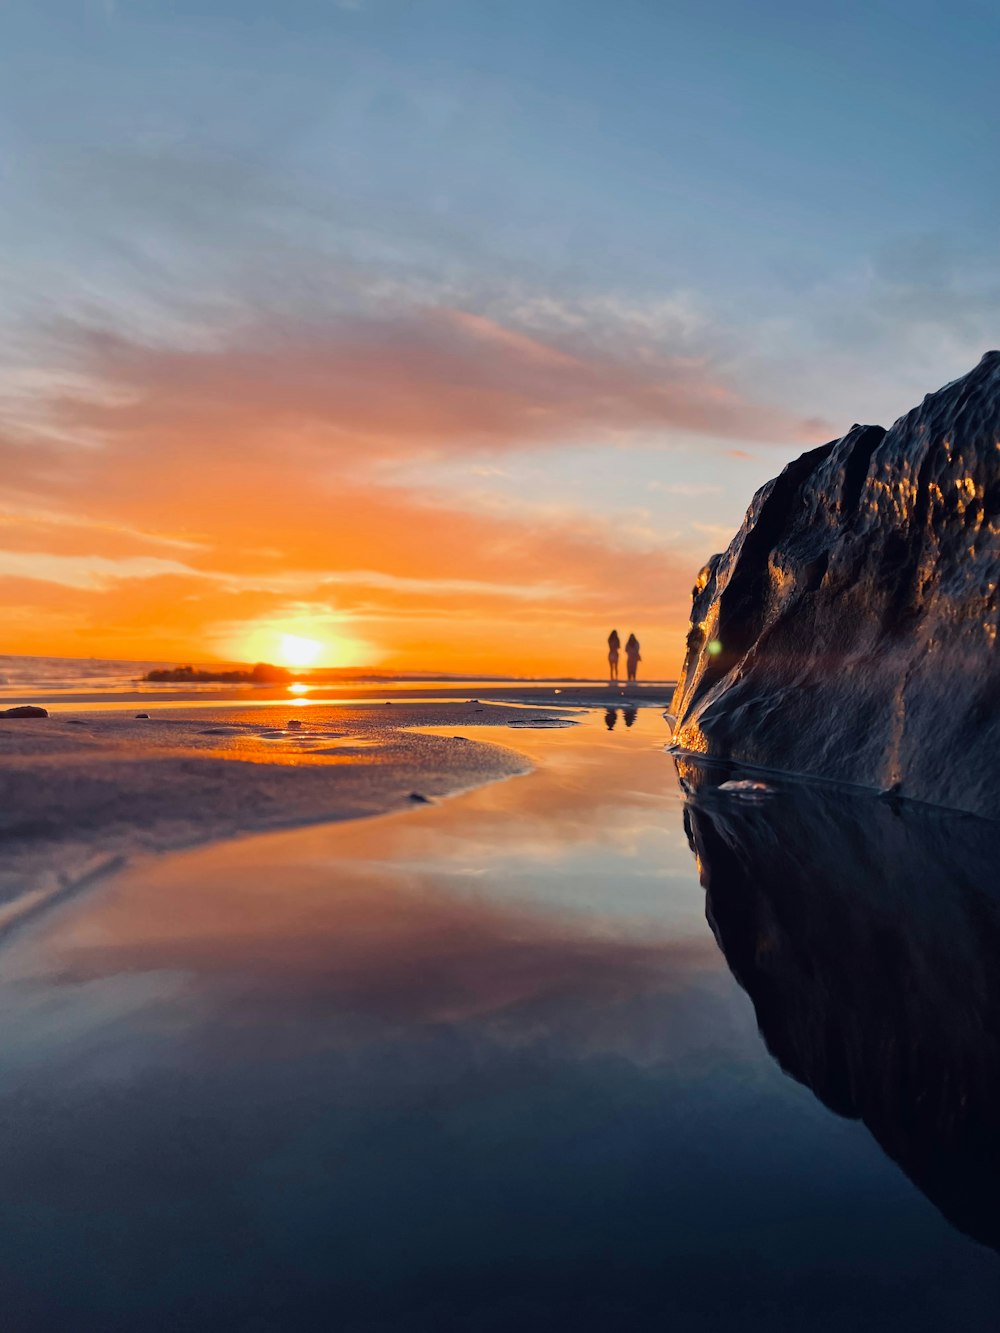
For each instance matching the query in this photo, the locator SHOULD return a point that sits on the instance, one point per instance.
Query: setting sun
(316, 638)
(299, 652)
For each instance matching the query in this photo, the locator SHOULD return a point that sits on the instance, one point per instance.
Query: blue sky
(783, 213)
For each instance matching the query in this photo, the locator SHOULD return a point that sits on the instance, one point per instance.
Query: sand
(82, 792)
(93, 785)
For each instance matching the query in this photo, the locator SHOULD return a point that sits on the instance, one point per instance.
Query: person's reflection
(629, 715)
(610, 718)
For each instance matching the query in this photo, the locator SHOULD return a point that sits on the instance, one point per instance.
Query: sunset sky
(450, 335)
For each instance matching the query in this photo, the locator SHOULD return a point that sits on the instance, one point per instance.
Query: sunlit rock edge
(849, 630)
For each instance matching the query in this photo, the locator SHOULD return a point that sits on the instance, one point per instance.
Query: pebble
(746, 788)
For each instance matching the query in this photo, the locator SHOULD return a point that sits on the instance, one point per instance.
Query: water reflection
(478, 1066)
(867, 936)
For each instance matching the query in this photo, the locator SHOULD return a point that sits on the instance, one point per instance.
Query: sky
(450, 334)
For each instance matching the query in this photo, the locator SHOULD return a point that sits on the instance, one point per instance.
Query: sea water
(478, 1066)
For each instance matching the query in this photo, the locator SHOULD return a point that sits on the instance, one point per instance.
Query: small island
(263, 673)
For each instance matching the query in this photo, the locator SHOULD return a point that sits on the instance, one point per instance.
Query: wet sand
(81, 791)
(94, 785)
(591, 694)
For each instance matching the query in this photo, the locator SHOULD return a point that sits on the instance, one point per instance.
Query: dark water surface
(483, 1066)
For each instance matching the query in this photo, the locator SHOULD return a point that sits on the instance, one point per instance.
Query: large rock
(849, 631)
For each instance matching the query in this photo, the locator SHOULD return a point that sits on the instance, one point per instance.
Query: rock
(746, 789)
(849, 631)
(540, 723)
(139, 716)
(293, 723)
(25, 710)
(419, 798)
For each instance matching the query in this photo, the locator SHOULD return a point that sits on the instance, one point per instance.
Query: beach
(118, 770)
(467, 1063)
(498, 774)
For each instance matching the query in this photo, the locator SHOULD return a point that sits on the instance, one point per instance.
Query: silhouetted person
(614, 643)
(632, 658)
(629, 715)
(610, 718)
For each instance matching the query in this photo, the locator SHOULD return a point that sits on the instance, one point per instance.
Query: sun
(301, 642)
(299, 652)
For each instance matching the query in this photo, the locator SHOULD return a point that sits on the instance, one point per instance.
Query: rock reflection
(867, 935)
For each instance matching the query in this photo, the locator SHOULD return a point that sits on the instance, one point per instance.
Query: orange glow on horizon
(323, 557)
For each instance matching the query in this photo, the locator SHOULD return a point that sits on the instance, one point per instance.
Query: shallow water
(480, 1065)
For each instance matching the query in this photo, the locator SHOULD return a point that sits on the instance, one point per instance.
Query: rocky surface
(867, 936)
(261, 674)
(849, 631)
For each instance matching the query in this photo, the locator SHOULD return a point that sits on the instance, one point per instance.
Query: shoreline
(84, 796)
(589, 694)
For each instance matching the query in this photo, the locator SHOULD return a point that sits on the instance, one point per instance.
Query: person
(632, 658)
(614, 643)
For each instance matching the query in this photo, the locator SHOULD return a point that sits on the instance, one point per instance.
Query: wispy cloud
(425, 381)
(29, 519)
(685, 488)
(95, 572)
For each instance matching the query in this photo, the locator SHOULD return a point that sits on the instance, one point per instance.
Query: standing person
(632, 658)
(614, 643)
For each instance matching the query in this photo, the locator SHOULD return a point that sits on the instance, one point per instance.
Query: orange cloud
(435, 379)
(253, 484)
